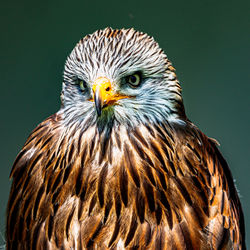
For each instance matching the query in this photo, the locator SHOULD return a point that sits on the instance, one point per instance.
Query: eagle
(120, 166)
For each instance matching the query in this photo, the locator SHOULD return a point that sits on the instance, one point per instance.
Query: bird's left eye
(134, 80)
(82, 84)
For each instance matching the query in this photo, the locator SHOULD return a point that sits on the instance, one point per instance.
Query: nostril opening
(108, 88)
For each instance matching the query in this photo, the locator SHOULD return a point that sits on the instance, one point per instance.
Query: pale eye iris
(134, 80)
(82, 84)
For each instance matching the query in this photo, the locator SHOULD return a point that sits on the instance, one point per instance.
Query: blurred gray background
(207, 41)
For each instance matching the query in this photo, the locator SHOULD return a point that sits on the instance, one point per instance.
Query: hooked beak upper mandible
(104, 94)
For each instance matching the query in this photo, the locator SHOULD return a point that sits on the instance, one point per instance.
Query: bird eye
(134, 80)
(82, 84)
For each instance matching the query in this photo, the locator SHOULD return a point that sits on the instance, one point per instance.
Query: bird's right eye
(82, 84)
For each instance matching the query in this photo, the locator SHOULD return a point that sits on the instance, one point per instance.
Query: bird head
(120, 75)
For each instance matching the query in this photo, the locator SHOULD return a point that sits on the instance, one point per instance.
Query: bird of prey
(120, 166)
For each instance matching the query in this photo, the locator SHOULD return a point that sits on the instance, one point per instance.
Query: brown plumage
(98, 182)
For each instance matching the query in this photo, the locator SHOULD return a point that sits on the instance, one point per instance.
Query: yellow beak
(103, 94)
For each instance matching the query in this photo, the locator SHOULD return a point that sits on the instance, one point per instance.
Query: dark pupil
(83, 83)
(132, 79)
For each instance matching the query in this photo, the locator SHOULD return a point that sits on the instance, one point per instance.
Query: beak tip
(98, 104)
(98, 111)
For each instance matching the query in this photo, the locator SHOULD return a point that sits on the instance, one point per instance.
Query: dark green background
(207, 41)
